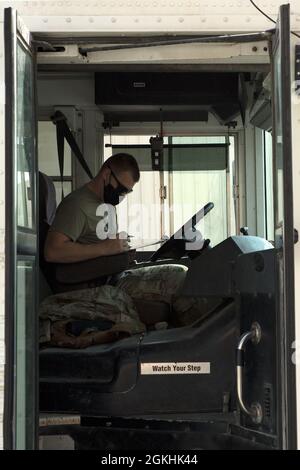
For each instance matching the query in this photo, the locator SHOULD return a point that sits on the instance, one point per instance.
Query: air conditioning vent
(217, 93)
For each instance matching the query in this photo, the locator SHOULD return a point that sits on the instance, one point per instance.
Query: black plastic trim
(9, 235)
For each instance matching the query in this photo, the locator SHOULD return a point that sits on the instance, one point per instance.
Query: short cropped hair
(124, 162)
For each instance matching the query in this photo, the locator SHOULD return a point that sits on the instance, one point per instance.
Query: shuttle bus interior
(210, 384)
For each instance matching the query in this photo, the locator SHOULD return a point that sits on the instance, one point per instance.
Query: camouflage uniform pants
(163, 283)
(158, 282)
(116, 303)
(94, 304)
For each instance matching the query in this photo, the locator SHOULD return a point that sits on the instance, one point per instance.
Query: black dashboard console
(210, 274)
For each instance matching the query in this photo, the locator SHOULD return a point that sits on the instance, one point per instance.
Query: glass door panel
(25, 354)
(20, 417)
(284, 227)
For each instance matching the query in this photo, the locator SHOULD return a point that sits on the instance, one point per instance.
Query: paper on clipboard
(144, 245)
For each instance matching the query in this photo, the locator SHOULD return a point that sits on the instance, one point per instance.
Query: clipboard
(144, 245)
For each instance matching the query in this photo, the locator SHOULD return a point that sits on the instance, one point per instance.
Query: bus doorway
(265, 390)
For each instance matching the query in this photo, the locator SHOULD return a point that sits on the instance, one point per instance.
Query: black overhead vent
(145, 115)
(215, 92)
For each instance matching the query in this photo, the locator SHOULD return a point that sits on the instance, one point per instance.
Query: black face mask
(116, 195)
(112, 195)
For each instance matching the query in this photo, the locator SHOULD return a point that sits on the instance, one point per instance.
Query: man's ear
(106, 175)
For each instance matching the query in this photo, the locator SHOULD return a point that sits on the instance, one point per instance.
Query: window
(197, 170)
(140, 213)
(48, 159)
(191, 190)
(25, 353)
(25, 143)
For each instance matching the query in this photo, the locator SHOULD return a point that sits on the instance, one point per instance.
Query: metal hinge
(236, 191)
(163, 192)
(29, 194)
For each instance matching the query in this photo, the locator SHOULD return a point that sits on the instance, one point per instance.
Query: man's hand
(132, 256)
(112, 246)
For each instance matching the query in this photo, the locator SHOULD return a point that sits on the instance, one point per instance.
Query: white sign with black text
(153, 368)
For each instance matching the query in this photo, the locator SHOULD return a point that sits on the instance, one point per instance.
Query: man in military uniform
(74, 237)
(74, 234)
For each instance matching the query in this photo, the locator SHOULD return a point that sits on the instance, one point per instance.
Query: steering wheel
(175, 246)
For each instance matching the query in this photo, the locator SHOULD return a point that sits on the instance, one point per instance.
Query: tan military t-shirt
(79, 214)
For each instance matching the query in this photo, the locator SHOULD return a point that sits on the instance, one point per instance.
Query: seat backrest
(47, 198)
(47, 209)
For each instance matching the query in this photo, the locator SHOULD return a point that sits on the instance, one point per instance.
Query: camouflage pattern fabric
(159, 282)
(116, 303)
(98, 303)
(162, 283)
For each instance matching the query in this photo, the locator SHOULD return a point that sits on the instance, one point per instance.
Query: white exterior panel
(149, 16)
